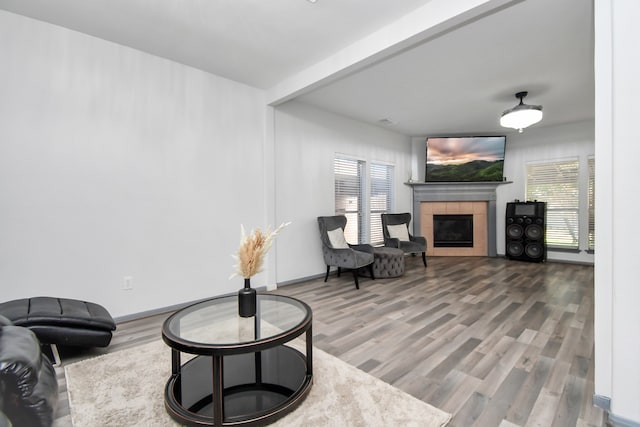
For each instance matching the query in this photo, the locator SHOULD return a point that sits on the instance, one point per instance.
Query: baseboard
(169, 309)
(559, 261)
(172, 308)
(604, 403)
(154, 312)
(303, 279)
(616, 421)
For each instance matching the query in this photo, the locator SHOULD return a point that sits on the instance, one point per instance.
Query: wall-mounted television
(465, 159)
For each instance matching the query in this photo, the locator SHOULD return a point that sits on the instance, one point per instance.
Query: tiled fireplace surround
(472, 198)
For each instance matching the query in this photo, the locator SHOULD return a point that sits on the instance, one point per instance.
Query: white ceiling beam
(428, 21)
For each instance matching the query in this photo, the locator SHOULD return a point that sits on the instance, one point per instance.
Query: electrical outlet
(127, 283)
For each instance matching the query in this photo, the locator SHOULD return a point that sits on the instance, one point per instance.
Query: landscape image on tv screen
(465, 159)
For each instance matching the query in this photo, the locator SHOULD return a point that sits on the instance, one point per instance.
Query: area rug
(126, 388)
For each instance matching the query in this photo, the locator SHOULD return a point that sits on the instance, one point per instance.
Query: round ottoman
(388, 262)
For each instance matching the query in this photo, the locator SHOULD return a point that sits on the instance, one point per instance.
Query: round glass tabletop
(214, 326)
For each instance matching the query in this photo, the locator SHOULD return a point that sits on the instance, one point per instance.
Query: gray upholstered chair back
(394, 219)
(353, 257)
(416, 244)
(328, 223)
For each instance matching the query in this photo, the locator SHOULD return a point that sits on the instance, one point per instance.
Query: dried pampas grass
(253, 248)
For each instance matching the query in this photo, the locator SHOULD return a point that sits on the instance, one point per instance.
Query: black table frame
(218, 352)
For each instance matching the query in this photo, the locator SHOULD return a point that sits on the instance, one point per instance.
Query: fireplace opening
(453, 231)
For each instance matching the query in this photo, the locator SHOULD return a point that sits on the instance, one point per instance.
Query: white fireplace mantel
(459, 192)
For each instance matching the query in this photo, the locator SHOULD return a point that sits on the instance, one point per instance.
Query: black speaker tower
(525, 231)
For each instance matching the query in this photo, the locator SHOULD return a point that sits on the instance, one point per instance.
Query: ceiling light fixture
(522, 115)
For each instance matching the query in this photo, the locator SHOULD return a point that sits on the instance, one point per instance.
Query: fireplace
(457, 198)
(453, 231)
(455, 228)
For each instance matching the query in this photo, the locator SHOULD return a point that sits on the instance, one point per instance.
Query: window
(591, 163)
(349, 192)
(362, 204)
(380, 200)
(556, 183)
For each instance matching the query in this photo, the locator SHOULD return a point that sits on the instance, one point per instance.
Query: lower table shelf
(257, 388)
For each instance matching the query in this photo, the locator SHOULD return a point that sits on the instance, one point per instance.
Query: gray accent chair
(352, 257)
(416, 244)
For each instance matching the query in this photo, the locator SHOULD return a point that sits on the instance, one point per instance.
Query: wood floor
(494, 342)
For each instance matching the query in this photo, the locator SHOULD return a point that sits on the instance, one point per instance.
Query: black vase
(247, 300)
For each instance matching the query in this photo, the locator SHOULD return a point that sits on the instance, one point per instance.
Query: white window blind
(349, 185)
(556, 183)
(591, 162)
(380, 199)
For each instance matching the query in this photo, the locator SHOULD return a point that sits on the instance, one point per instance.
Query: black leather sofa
(28, 385)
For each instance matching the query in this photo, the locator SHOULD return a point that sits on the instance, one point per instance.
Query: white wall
(307, 140)
(117, 163)
(534, 144)
(617, 66)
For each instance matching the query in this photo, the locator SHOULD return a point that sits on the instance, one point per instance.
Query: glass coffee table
(239, 371)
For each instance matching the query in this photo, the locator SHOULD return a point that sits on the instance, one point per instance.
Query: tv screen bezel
(478, 137)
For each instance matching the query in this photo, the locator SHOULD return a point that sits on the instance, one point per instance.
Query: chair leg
(338, 271)
(355, 277)
(424, 259)
(327, 275)
(371, 271)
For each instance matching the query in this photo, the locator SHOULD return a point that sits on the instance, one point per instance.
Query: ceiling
(454, 80)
